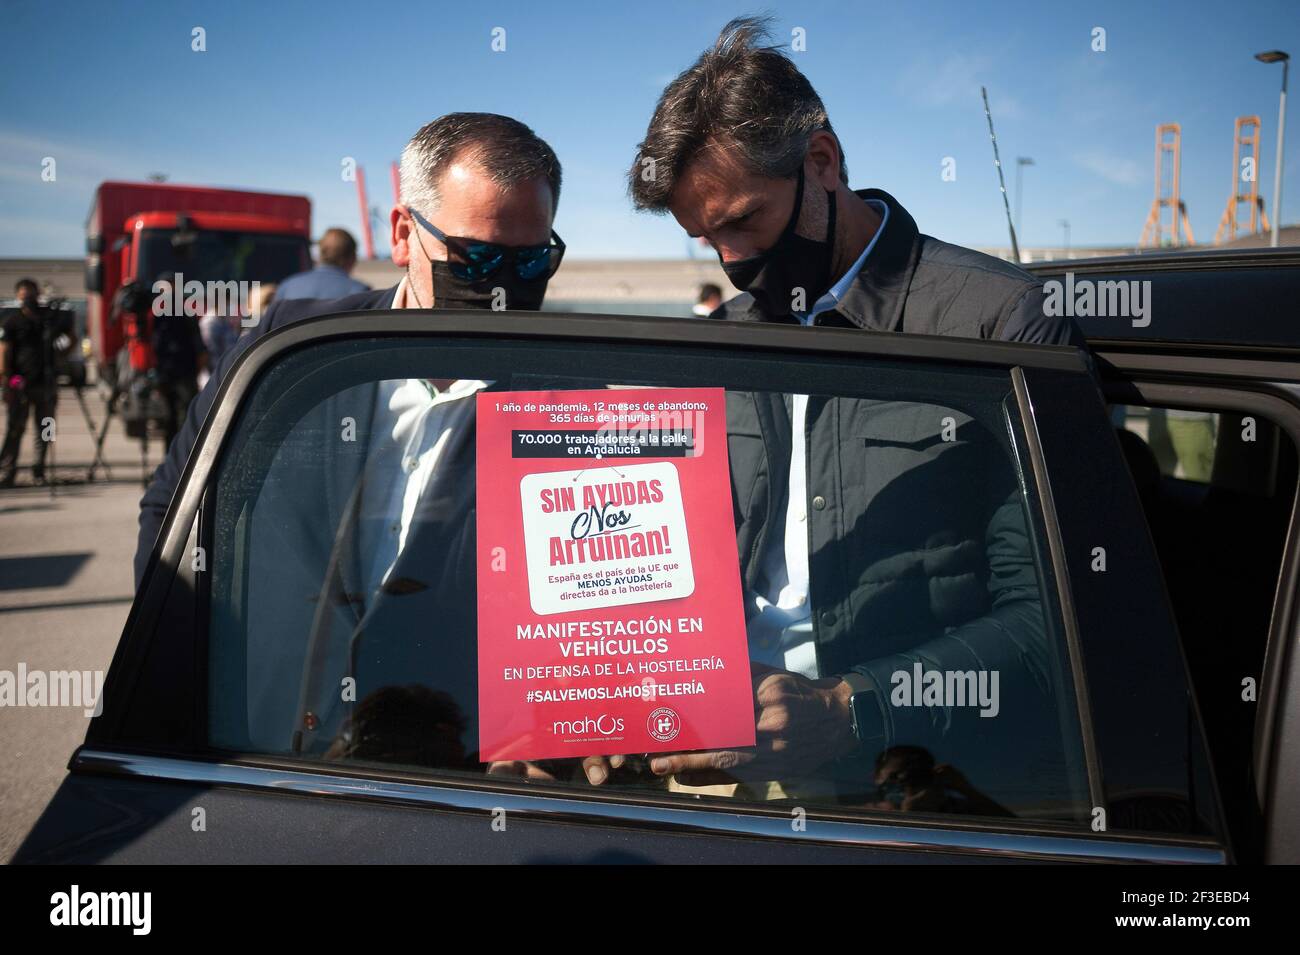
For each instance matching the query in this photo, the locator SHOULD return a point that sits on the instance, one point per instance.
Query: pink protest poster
(609, 608)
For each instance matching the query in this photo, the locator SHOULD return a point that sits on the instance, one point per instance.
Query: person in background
(1193, 437)
(220, 332)
(28, 342)
(266, 294)
(709, 301)
(219, 329)
(179, 356)
(337, 254)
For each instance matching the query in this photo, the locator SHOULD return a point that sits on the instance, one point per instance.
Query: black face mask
(793, 262)
(452, 292)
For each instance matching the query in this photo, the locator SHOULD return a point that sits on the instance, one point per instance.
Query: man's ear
(399, 238)
(824, 158)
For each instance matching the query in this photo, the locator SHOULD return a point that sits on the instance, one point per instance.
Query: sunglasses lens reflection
(533, 263)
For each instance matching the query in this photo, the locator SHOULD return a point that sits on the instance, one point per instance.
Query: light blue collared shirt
(837, 291)
(324, 282)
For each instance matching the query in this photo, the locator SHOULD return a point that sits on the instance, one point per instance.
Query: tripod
(120, 385)
(80, 391)
(49, 401)
(56, 307)
(123, 379)
(113, 398)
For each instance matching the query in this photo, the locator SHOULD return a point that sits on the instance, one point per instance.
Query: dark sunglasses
(472, 260)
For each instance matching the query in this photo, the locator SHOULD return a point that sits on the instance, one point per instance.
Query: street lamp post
(1277, 56)
(1021, 163)
(1065, 224)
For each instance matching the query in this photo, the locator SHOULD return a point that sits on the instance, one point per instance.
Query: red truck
(138, 230)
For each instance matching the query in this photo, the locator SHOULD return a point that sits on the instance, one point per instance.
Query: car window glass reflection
(902, 656)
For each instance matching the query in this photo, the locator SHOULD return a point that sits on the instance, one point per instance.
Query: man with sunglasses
(473, 230)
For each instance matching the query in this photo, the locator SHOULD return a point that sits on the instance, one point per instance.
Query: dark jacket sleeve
(1012, 638)
(156, 500)
(1025, 319)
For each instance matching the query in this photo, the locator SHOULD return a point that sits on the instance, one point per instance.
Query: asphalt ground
(65, 591)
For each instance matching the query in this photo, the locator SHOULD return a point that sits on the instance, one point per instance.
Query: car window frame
(1268, 384)
(186, 517)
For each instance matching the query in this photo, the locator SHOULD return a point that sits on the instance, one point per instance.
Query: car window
(1218, 488)
(1182, 440)
(880, 632)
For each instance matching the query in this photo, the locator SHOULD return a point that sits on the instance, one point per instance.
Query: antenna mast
(1002, 183)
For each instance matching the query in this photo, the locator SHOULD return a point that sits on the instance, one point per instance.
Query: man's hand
(800, 723)
(519, 768)
(597, 769)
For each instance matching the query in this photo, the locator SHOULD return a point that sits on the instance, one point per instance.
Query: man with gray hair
(473, 229)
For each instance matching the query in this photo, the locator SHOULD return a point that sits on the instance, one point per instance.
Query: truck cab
(137, 231)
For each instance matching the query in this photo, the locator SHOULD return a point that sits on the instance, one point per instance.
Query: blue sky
(286, 90)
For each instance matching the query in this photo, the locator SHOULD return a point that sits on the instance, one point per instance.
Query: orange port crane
(1169, 138)
(1245, 181)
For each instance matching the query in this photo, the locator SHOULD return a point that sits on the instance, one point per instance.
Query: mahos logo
(603, 725)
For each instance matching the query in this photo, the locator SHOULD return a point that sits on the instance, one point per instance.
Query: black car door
(1006, 542)
(1212, 439)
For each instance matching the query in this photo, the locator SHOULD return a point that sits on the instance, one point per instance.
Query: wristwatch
(865, 715)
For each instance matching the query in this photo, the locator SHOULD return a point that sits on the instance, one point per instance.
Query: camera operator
(179, 355)
(30, 344)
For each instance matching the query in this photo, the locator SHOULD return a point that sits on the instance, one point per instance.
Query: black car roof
(1239, 297)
